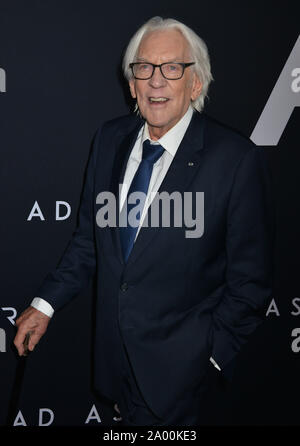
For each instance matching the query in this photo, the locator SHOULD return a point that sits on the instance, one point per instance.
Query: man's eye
(145, 67)
(172, 67)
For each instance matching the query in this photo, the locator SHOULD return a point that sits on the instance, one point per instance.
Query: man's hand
(31, 321)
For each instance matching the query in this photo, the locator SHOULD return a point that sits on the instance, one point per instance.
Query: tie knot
(152, 152)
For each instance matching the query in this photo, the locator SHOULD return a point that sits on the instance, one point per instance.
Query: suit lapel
(180, 174)
(118, 172)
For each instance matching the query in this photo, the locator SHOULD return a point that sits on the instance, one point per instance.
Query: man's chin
(156, 119)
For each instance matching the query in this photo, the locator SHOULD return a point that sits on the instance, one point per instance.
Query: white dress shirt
(170, 141)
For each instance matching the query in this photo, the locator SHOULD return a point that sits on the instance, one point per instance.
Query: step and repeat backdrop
(60, 78)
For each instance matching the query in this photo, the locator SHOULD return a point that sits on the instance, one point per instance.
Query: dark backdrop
(60, 78)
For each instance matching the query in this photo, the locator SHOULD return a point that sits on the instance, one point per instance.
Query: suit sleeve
(249, 241)
(78, 262)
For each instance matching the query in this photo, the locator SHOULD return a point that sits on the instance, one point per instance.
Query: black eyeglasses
(169, 70)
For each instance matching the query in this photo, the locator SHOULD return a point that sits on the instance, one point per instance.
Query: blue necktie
(140, 183)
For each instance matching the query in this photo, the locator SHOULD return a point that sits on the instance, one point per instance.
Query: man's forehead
(163, 43)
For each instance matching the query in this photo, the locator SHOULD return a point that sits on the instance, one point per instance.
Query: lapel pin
(190, 163)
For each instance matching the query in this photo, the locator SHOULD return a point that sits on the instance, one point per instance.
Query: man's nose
(157, 80)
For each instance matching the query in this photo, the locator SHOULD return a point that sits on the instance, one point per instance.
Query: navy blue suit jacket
(178, 300)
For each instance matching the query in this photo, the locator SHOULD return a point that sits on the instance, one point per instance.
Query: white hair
(198, 49)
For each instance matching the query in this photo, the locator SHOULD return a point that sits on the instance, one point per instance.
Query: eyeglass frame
(184, 66)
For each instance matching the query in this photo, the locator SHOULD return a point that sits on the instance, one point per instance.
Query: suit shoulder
(121, 124)
(227, 139)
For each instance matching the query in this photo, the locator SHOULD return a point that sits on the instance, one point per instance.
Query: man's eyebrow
(174, 59)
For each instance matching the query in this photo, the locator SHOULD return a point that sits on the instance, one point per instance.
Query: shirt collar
(171, 140)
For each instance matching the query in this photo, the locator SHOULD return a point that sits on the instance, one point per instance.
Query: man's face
(158, 47)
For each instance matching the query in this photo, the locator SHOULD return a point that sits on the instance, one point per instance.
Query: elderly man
(172, 309)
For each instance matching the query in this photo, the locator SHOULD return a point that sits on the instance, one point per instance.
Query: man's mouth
(158, 100)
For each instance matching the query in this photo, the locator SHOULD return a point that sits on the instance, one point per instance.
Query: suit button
(124, 286)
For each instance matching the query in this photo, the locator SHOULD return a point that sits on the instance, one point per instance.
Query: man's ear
(132, 88)
(197, 87)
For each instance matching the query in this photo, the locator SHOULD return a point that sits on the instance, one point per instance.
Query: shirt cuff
(40, 304)
(214, 363)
